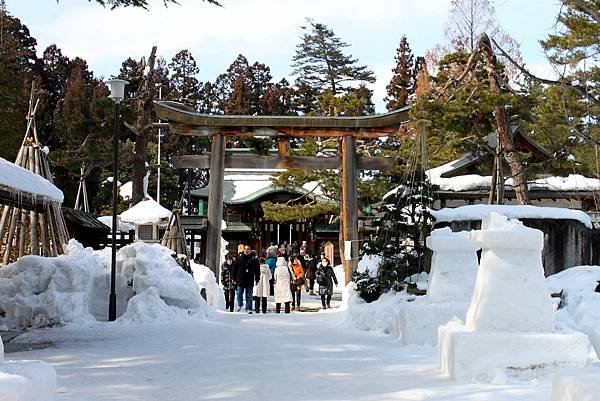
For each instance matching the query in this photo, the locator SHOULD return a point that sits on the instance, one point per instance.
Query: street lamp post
(117, 94)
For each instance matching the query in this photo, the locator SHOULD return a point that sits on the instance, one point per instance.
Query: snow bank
(27, 381)
(376, 315)
(576, 384)
(478, 212)
(37, 291)
(74, 287)
(581, 304)
(147, 211)
(148, 307)
(206, 279)
(23, 180)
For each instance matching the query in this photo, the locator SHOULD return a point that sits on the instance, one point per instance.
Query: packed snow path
(235, 356)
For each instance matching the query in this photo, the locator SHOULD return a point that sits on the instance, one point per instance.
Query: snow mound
(151, 265)
(37, 291)
(27, 381)
(478, 212)
(206, 279)
(148, 307)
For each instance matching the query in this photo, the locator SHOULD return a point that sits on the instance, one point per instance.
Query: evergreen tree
(402, 84)
(18, 63)
(319, 61)
(139, 3)
(185, 86)
(278, 99)
(399, 238)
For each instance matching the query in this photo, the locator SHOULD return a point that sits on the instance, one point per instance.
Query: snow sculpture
(510, 323)
(576, 384)
(453, 272)
(26, 380)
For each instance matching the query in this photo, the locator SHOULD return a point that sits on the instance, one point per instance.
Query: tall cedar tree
(320, 62)
(402, 84)
(18, 62)
(185, 87)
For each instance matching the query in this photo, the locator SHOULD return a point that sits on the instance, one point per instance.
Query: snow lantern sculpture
(148, 217)
(453, 271)
(510, 327)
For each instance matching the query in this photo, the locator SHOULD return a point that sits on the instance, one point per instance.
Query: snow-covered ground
(235, 356)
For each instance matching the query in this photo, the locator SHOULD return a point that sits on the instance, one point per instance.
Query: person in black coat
(325, 278)
(246, 273)
(311, 273)
(227, 282)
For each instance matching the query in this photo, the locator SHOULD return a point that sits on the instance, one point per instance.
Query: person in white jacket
(261, 289)
(283, 278)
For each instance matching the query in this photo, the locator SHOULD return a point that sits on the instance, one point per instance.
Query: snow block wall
(453, 266)
(453, 271)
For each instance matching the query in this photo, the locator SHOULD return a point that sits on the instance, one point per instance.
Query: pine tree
(185, 86)
(399, 238)
(18, 63)
(320, 62)
(140, 3)
(402, 84)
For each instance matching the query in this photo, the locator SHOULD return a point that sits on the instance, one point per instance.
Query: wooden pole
(215, 203)
(349, 204)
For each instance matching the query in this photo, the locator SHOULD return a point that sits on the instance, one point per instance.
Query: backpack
(321, 277)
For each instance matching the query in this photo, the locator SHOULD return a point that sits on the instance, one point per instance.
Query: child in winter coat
(283, 277)
(261, 289)
(227, 282)
(325, 278)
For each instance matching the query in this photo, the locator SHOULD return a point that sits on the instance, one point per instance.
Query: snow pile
(510, 322)
(478, 212)
(376, 315)
(151, 265)
(453, 271)
(581, 304)
(206, 279)
(23, 180)
(338, 270)
(147, 211)
(27, 381)
(576, 384)
(148, 307)
(74, 287)
(37, 291)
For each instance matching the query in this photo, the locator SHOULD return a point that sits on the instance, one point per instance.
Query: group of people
(281, 273)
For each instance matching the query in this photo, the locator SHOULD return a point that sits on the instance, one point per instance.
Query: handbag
(300, 281)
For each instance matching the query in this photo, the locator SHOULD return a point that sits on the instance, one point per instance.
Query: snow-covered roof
(477, 212)
(147, 211)
(22, 181)
(573, 182)
(239, 187)
(121, 225)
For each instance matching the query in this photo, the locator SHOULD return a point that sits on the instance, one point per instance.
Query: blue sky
(265, 30)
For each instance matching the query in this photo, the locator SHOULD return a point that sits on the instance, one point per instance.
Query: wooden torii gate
(184, 122)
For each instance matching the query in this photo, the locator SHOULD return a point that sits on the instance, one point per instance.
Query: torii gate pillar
(215, 204)
(349, 205)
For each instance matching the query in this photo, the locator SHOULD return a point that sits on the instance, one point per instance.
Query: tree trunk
(143, 128)
(505, 136)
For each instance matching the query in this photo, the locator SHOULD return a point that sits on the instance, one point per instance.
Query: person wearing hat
(283, 279)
